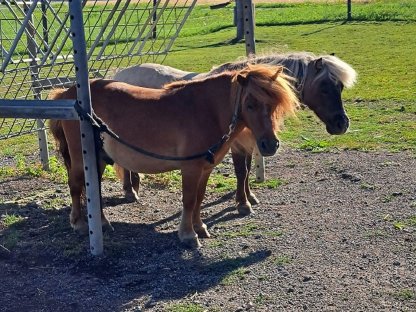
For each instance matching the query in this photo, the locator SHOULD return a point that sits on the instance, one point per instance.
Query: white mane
(296, 65)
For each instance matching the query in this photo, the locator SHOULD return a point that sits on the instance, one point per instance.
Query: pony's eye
(250, 107)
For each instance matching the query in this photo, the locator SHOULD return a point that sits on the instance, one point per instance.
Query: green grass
(382, 106)
(405, 223)
(10, 219)
(379, 43)
(405, 294)
(11, 222)
(185, 307)
(282, 260)
(235, 276)
(245, 230)
(269, 183)
(250, 229)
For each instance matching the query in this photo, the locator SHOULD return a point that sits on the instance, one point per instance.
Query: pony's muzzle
(268, 147)
(339, 125)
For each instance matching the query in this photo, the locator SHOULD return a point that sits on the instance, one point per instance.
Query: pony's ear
(319, 64)
(242, 80)
(278, 72)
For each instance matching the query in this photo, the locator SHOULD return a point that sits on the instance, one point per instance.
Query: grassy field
(379, 43)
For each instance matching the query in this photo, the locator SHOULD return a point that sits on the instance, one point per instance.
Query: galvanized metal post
(34, 73)
(248, 9)
(92, 187)
(239, 20)
(248, 13)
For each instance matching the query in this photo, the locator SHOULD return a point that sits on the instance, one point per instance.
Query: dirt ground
(338, 235)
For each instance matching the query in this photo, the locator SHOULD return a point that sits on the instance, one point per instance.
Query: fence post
(34, 74)
(44, 25)
(239, 19)
(92, 184)
(349, 17)
(248, 14)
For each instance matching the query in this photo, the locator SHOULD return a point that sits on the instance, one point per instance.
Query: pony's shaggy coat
(180, 120)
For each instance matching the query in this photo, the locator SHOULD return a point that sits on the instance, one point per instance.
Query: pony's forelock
(340, 70)
(278, 92)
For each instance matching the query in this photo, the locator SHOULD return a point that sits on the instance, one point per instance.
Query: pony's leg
(250, 195)
(199, 226)
(76, 186)
(135, 182)
(190, 186)
(104, 221)
(128, 186)
(240, 167)
(76, 183)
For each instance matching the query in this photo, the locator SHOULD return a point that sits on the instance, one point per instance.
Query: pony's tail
(55, 127)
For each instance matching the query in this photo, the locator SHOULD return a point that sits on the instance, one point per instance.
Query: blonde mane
(296, 66)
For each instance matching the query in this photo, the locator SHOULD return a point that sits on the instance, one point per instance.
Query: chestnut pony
(319, 81)
(188, 126)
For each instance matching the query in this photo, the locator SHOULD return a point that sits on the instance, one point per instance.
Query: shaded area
(138, 261)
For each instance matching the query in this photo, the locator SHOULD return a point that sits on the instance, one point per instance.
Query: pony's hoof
(81, 227)
(253, 199)
(131, 197)
(245, 209)
(191, 241)
(107, 227)
(202, 231)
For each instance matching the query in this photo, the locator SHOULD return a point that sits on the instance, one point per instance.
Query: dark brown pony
(179, 121)
(319, 81)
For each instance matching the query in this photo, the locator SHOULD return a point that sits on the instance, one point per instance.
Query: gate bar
(38, 109)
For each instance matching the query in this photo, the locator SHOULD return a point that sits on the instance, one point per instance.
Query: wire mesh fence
(36, 49)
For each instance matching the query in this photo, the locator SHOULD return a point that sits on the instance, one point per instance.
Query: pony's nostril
(343, 122)
(268, 146)
(263, 145)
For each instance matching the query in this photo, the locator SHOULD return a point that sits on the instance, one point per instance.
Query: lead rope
(99, 125)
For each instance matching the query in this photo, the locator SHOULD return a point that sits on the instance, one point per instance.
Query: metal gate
(36, 51)
(46, 44)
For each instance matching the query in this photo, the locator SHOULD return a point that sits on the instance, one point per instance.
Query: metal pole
(239, 19)
(92, 186)
(248, 9)
(154, 19)
(248, 13)
(349, 17)
(44, 25)
(34, 73)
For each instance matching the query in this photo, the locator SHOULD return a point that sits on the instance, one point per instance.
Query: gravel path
(338, 235)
